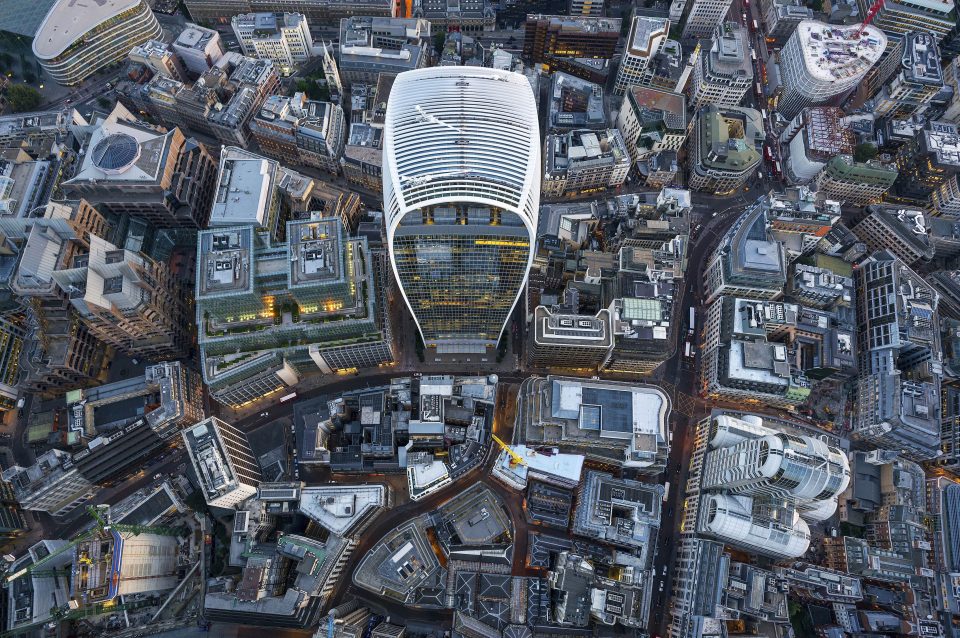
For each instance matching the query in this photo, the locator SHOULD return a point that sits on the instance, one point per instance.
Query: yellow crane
(515, 459)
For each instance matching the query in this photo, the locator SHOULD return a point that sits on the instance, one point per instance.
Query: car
(157, 476)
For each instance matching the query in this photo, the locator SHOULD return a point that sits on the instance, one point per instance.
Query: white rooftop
(566, 466)
(244, 189)
(69, 20)
(338, 507)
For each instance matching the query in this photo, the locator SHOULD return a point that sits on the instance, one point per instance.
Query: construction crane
(515, 459)
(101, 514)
(871, 14)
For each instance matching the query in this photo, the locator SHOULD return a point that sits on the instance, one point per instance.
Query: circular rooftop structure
(116, 153)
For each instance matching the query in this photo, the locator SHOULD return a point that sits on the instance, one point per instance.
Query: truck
(666, 491)
(693, 321)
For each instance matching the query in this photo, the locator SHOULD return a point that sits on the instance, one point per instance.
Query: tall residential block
(73, 43)
(461, 189)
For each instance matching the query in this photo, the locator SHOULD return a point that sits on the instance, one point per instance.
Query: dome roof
(116, 153)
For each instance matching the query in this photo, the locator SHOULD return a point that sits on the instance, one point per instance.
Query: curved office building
(760, 487)
(74, 41)
(461, 187)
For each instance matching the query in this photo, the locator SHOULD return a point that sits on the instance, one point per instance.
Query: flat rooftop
(644, 32)
(610, 410)
(244, 189)
(581, 24)
(943, 139)
(921, 58)
(338, 508)
(224, 261)
(69, 20)
(195, 37)
(315, 251)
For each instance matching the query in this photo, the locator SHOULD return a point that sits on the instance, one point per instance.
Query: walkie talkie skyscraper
(461, 188)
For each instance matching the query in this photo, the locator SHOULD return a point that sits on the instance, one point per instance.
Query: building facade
(724, 74)
(283, 38)
(725, 148)
(223, 462)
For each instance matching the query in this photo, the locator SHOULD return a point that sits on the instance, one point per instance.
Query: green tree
(22, 97)
(864, 152)
(103, 102)
(439, 38)
(29, 77)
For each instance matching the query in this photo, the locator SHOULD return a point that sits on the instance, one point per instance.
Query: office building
(371, 46)
(72, 45)
(219, 104)
(575, 104)
(362, 160)
(725, 149)
(902, 231)
(746, 346)
(12, 339)
(748, 262)
(897, 19)
(818, 287)
(858, 183)
(128, 301)
(584, 161)
(199, 48)
(816, 583)
(568, 340)
(799, 220)
(821, 61)
(320, 285)
(283, 38)
(700, 572)
(53, 484)
(943, 499)
(644, 42)
(225, 467)
(34, 599)
(757, 486)
(898, 395)
(158, 57)
(131, 168)
(561, 41)
(301, 131)
(619, 512)
(317, 11)
(566, 412)
(926, 162)
(652, 121)
(723, 75)
(461, 288)
(781, 17)
(916, 83)
(704, 17)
